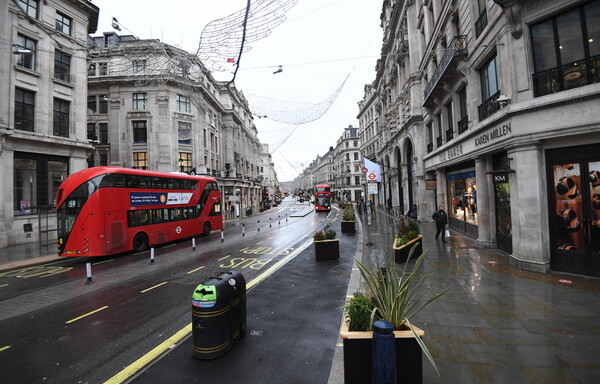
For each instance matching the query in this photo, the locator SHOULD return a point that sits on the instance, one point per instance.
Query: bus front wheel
(206, 229)
(140, 242)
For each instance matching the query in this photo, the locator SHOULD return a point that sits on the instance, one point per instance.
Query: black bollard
(258, 225)
(384, 353)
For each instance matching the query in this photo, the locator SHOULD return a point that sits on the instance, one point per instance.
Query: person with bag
(441, 219)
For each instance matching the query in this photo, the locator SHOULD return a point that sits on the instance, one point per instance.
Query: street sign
(372, 176)
(365, 170)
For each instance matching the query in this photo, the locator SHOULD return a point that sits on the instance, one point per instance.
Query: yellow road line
(339, 345)
(223, 258)
(3, 285)
(105, 261)
(258, 242)
(140, 363)
(143, 361)
(4, 348)
(87, 314)
(194, 270)
(156, 286)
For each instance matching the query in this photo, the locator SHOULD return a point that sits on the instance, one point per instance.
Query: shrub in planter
(327, 246)
(395, 298)
(408, 234)
(349, 220)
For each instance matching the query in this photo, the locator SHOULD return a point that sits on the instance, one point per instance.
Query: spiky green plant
(398, 298)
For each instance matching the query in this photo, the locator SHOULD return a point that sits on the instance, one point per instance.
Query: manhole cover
(256, 333)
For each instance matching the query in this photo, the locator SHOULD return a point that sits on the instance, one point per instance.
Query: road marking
(143, 361)
(223, 258)
(4, 348)
(156, 286)
(87, 314)
(339, 345)
(194, 270)
(259, 243)
(35, 271)
(169, 246)
(3, 285)
(102, 262)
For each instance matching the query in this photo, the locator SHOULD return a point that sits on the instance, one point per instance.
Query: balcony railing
(568, 76)
(429, 147)
(457, 48)
(463, 124)
(481, 23)
(489, 107)
(439, 141)
(449, 134)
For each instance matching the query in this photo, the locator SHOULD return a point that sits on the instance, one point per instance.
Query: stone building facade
(42, 110)
(499, 102)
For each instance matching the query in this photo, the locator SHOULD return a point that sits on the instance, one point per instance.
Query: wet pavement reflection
(498, 324)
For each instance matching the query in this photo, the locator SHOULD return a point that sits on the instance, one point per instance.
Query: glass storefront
(462, 191)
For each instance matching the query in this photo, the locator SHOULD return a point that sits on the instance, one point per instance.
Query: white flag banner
(372, 171)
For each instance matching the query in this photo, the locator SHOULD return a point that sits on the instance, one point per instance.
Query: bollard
(221, 235)
(243, 229)
(88, 272)
(193, 243)
(152, 255)
(258, 225)
(384, 353)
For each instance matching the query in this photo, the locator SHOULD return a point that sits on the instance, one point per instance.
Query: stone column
(530, 232)
(485, 204)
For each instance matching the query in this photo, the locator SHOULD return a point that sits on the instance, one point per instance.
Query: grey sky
(319, 44)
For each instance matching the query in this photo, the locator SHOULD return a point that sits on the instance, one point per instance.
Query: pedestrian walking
(441, 219)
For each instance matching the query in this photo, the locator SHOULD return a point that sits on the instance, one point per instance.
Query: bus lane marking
(86, 315)
(5, 348)
(223, 258)
(37, 271)
(156, 286)
(194, 270)
(132, 369)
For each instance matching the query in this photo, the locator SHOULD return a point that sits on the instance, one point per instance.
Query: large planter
(327, 249)
(401, 253)
(357, 356)
(348, 226)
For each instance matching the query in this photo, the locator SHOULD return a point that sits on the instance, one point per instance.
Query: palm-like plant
(397, 298)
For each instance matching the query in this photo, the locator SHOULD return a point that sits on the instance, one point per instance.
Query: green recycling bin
(218, 319)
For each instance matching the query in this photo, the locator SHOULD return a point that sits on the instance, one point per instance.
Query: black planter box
(348, 227)
(327, 249)
(357, 357)
(401, 253)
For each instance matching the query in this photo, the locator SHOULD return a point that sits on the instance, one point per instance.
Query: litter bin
(218, 315)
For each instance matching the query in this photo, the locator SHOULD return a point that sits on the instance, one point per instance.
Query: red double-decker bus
(322, 197)
(108, 210)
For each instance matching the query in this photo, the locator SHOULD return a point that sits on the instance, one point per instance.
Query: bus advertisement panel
(107, 210)
(322, 197)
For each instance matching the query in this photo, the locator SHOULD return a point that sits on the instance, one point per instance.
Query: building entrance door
(503, 217)
(575, 210)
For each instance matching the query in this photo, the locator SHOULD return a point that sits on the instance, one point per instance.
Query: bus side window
(176, 214)
(157, 216)
(133, 219)
(198, 210)
(216, 209)
(144, 217)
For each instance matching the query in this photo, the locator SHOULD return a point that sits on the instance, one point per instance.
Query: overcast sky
(318, 46)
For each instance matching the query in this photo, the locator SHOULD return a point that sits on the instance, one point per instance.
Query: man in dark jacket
(441, 219)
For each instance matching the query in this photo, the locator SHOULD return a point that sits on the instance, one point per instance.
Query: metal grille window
(103, 69)
(61, 118)
(140, 132)
(139, 66)
(30, 7)
(92, 69)
(62, 66)
(63, 23)
(490, 90)
(184, 133)
(26, 52)
(24, 109)
(140, 100)
(183, 104)
(140, 160)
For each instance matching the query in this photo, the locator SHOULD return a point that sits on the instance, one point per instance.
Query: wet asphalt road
(54, 328)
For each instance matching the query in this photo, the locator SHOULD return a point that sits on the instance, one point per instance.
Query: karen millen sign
(494, 134)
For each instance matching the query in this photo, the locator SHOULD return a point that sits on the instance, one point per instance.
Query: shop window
(36, 181)
(462, 190)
